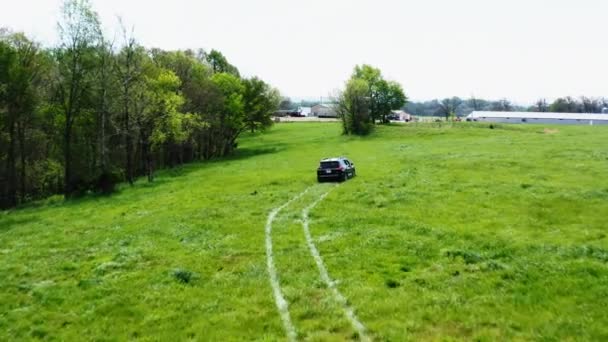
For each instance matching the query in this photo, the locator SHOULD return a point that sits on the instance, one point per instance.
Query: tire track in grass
(279, 299)
(331, 284)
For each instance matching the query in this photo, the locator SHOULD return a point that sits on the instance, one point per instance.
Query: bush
(45, 177)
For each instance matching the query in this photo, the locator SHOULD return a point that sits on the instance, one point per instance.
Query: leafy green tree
(160, 120)
(260, 101)
(219, 64)
(79, 34)
(353, 106)
(230, 121)
(21, 63)
(389, 96)
(199, 94)
(7, 60)
(384, 96)
(184, 64)
(77, 117)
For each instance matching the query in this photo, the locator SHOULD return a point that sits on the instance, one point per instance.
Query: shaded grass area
(459, 232)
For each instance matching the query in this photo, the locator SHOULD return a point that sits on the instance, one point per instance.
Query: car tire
(344, 177)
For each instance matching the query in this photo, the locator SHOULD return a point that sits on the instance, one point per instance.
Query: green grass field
(448, 233)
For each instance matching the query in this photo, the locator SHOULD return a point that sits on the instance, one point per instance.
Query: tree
(384, 96)
(389, 96)
(230, 121)
(373, 77)
(219, 63)
(7, 60)
(194, 77)
(79, 33)
(564, 105)
(159, 120)
(474, 103)
(353, 107)
(105, 93)
(286, 104)
(77, 117)
(129, 70)
(589, 105)
(449, 106)
(503, 105)
(541, 106)
(259, 101)
(21, 64)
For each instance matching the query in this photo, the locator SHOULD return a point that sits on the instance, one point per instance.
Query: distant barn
(537, 117)
(325, 110)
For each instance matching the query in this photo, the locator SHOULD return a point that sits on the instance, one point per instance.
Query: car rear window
(330, 165)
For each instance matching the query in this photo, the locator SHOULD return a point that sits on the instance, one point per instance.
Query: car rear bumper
(330, 175)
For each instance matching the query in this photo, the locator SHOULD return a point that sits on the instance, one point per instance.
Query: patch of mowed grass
(449, 231)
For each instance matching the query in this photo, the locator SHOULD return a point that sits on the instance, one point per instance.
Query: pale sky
(518, 49)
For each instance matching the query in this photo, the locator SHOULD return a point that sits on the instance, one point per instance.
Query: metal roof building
(538, 117)
(325, 110)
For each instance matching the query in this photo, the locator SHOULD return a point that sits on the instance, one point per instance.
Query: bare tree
(590, 105)
(474, 103)
(128, 67)
(541, 106)
(503, 105)
(106, 84)
(449, 106)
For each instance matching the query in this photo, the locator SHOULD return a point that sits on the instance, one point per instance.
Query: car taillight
(341, 168)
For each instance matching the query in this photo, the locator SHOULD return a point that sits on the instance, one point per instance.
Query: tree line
(89, 112)
(456, 106)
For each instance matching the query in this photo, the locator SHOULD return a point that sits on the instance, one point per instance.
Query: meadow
(449, 232)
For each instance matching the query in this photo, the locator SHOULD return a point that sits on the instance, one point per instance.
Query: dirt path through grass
(331, 284)
(282, 304)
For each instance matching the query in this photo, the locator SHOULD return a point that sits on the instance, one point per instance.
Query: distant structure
(605, 110)
(305, 111)
(401, 115)
(538, 117)
(324, 110)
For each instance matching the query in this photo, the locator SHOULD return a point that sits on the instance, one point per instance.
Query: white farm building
(324, 110)
(541, 118)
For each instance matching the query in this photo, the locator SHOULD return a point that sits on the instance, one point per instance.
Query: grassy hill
(460, 232)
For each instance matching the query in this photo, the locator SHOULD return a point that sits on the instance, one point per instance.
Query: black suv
(339, 169)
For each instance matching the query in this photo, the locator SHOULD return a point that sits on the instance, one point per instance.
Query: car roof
(333, 159)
